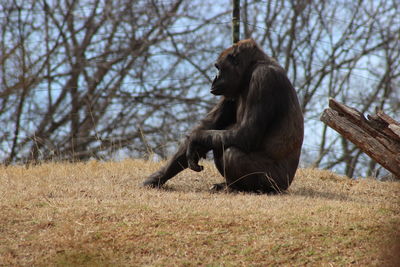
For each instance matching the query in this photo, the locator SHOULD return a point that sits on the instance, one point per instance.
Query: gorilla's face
(227, 81)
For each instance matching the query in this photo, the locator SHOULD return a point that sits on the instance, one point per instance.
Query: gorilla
(255, 131)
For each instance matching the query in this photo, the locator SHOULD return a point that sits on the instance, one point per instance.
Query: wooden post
(236, 21)
(378, 136)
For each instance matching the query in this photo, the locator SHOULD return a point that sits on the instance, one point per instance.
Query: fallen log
(378, 136)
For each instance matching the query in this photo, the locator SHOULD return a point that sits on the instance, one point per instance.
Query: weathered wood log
(378, 136)
(390, 127)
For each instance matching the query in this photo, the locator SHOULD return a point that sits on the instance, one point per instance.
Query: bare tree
(87, 78)
(96, 78)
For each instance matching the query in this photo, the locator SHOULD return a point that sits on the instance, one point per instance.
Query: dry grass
(95, 214)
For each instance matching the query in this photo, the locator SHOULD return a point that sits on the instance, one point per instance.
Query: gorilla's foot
(154, 181)
(218, 187)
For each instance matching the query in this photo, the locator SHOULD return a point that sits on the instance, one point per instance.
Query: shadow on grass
(310, 192)
(80, 258)
(195, 189)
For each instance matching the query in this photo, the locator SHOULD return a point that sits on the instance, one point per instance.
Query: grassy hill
(95, 214)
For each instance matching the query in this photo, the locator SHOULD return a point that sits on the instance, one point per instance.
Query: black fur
(255, 131)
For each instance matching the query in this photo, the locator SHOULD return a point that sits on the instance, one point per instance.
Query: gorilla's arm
(220, 117)
(266, 103)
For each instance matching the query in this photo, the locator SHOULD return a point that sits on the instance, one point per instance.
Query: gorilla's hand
(193, 156)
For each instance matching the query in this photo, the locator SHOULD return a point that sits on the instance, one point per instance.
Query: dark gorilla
(255, 131)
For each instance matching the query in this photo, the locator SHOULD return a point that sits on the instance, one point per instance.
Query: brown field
(95, 214)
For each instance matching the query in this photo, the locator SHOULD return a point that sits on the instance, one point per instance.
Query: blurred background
(83, 79)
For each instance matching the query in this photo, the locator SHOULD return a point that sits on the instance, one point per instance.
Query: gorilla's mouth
(216, 90)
